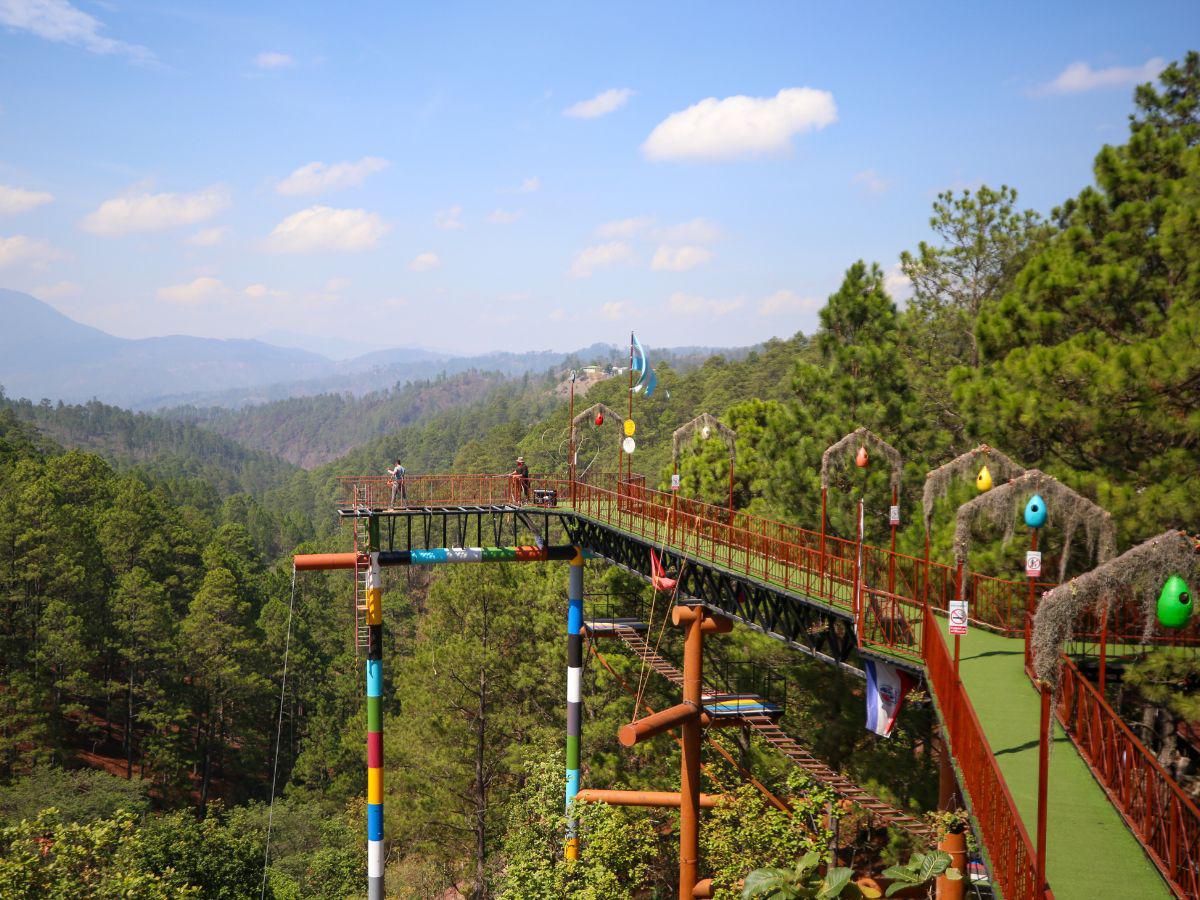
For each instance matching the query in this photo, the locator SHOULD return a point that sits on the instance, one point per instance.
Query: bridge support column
(374, 674)
(574, 693)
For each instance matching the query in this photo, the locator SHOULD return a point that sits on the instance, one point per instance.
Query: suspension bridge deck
(832, 598)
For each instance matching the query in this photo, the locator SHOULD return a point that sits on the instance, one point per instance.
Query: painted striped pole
(374, 718)
(574, 693)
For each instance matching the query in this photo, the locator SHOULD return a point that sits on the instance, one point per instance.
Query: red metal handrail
(1160, 814)
(1014, 861)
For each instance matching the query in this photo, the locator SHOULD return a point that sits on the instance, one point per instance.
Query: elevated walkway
(1090, 853)
(839, 601)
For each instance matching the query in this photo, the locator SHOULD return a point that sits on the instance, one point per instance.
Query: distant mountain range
(45, 354)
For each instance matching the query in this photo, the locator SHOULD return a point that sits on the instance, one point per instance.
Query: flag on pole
(886, 687)
(646, 379)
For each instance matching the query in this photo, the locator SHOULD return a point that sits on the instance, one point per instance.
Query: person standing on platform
(398, 489)
(522, 475)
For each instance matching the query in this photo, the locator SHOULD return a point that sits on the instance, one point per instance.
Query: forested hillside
(146, 620)
(173, 451)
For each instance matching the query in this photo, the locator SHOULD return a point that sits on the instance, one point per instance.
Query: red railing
(1161, 816)
(1014, 861)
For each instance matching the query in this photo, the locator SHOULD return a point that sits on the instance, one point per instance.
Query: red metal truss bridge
(836, 600)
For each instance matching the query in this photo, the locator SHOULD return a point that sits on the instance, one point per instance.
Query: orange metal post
(689, 770)
(643, 798)
(314, 562)
(1029, 604)
(1043, 781)
(656, 724)
(1103, 651)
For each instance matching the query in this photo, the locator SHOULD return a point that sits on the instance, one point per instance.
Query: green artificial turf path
(1090, 852)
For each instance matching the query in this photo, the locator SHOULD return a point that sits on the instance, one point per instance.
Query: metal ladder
(362, 569)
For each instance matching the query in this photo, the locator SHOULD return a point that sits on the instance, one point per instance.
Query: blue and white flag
(646, 379)
(886, 687)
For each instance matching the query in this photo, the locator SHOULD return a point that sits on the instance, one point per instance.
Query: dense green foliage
(147, 595)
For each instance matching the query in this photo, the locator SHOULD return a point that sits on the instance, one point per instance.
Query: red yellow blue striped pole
(374, 588)
(574, 694)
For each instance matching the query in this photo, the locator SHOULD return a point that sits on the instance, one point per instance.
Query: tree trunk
(129, 726)
(480, 827)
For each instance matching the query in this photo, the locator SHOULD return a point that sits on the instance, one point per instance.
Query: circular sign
(628, 445)
(958, 617)
(630, 428)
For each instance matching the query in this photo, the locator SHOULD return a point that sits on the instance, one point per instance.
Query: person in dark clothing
(522, 475)
(397, 473)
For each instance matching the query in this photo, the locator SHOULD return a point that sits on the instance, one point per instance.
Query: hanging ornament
(983, 481)
(599, 419)
(862, 459)
(630, 428)
(1174, 603)
(1035, 511)
(628, 445)
(705, 433)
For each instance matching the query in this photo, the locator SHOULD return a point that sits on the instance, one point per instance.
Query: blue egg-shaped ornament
(1174, 603)
(1035, 511)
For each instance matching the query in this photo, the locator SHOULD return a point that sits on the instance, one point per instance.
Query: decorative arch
(685, 432)
(1146, 567)
(1068, 509)
(938, 481)
(610, 414)
(861, 437)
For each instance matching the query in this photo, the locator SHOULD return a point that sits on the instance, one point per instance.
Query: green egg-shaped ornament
(1174, 603)
(1035, 511)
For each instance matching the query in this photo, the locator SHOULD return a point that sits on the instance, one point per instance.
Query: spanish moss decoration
(701, 422)
(1143, 569)
(939, 480)
(847, 448)
(1069, 511)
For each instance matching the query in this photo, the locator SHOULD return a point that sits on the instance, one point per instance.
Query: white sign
(894, 515)
(1033, 563)
(628, 445)
(958, 616)
(675, 482)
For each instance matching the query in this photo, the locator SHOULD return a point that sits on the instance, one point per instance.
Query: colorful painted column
(374, 718)
(574, 691)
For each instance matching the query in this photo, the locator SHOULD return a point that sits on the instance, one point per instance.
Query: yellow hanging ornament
(983, 481)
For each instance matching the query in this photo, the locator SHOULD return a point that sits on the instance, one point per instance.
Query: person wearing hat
(522, 473)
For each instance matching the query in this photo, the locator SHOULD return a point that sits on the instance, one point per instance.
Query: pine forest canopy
(145, 580)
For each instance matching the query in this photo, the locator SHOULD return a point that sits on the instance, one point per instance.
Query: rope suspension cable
(287, 645)
(644, 674)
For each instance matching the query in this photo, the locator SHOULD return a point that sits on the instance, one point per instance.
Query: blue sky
(482, 176)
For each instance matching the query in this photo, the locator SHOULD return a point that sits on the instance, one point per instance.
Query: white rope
(287, 646)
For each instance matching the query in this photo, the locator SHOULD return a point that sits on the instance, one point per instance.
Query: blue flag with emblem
(646, 379)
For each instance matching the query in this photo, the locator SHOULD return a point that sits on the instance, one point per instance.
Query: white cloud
(528, 186)
(897, 284)
(600, 105)
(337, 285)
(423, 262)
(697, 231)
(319, 177)
(740, 126)
(617, 309)
(154, 212)
(56, 291)
(679, 259)
(600, 256)
(259, 291)
(200, 290)
(273, 59)
(782, 303)
(503, 216)
(449, 218)
(625, 228)
(207, 237)
(59, 21)
(1079, 77)
(324, 229)
(558, 315)
(871, 181)
(22, 250)
(15, 200)
(691, 305)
